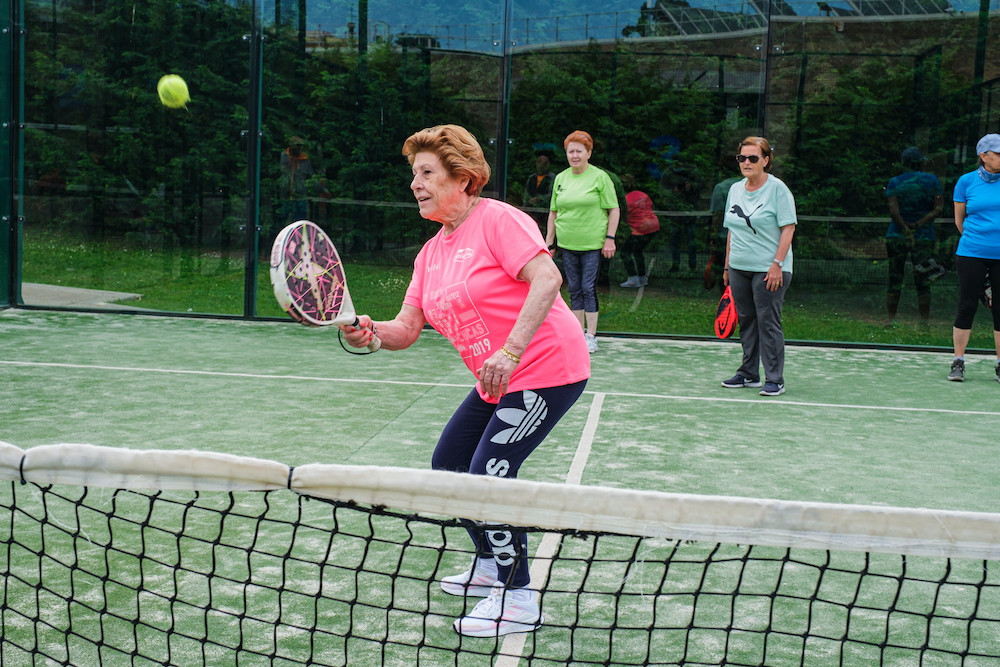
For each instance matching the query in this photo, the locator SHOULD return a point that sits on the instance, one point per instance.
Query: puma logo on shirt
(746, 216)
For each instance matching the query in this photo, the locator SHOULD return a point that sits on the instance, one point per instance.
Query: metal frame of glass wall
(9, 158)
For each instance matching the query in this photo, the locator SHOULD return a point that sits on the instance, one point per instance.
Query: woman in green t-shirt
(584, 217)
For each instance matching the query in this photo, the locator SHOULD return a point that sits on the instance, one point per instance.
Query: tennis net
(126, 557)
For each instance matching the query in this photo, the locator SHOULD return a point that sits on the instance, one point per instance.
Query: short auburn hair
(458, 150)
(580, 137)
(765, 149)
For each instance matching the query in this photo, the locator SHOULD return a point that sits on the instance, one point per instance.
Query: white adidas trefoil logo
(523, 422)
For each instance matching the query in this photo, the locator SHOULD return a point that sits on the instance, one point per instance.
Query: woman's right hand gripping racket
(309, 281)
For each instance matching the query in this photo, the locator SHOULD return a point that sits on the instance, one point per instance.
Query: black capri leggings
(972, 273)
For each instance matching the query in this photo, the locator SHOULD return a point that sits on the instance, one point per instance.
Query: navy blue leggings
(581, 268)
(486, 439)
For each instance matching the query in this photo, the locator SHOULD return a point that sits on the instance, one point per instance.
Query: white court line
(809, 404)
(513, 644)
(370, 381)
(256, 376)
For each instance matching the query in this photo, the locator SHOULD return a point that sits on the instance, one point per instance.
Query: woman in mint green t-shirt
(583, 219)
(760, 218)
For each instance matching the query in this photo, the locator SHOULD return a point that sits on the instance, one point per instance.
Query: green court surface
(855, 426)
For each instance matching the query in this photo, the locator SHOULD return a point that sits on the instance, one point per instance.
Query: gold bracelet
(510, 355)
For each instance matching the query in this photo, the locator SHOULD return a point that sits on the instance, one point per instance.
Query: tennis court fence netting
(129, 557)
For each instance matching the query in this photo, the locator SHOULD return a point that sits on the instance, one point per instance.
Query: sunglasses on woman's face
(754, 159)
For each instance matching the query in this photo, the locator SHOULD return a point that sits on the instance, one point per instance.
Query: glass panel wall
(840, 90)
(137, 203)
(344, 85)
(299, 109)
(666, 107)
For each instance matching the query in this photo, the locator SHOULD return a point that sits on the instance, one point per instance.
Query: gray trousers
(761, 335)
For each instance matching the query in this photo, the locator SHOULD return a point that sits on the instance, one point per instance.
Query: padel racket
(725, 316)
(308, 278)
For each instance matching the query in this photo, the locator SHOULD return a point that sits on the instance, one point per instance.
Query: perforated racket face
(307, 274)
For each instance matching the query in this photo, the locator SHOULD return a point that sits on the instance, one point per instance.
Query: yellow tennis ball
(173, 91)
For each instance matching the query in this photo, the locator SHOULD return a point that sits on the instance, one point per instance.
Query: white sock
(486, 565)
(520, 594)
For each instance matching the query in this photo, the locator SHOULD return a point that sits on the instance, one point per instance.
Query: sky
(477, 24)
(459, 17)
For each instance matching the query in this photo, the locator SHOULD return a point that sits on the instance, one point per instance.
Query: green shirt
(754, 220)
(581, 203)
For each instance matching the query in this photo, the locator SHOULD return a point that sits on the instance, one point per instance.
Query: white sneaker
(633, 281)
(591, 342)
(476, 582)
(501, 613)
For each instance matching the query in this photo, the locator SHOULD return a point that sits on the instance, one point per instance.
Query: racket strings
(316, 289)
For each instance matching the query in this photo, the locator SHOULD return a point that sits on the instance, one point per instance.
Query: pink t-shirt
(466, 285)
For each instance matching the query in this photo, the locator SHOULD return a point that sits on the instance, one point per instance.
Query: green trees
(103, 157)
(627, 101)
(101, 150)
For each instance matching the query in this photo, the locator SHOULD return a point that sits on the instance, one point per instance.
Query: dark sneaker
(738, 382)
(957, 373)
(772, 389)
(998, 371)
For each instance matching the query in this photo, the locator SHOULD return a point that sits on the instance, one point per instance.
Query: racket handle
(376, 343)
